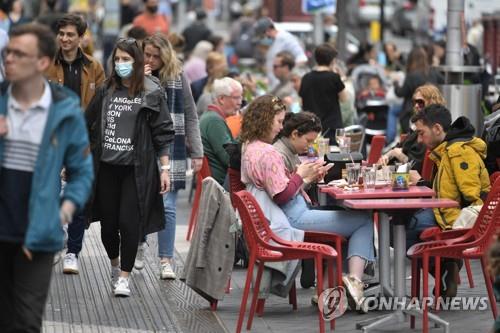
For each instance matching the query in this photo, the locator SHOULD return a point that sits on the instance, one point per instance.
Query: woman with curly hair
(279, 192)
(411, 149)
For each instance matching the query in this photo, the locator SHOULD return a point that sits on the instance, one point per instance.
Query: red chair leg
(292, 296)
(194, 211)
(331, 284)
(425, 292)
(228, 286)
(246, 290)
(489, 287)
(338, 248)
(256, 288)
(319, 288)
(469, 273)
(437, 282)
(260, 307)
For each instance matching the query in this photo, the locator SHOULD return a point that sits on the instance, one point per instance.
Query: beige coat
(210, 260)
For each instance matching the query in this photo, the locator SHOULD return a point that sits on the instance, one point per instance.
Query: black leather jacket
(153, 134)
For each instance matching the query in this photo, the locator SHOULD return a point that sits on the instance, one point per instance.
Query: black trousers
(119, 207)
(24, 286)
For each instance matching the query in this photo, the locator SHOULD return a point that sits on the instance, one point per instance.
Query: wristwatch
(165, 167)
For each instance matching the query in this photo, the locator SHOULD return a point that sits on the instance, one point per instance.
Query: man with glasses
(41, 130)
(282, 69)
(227, 98)
(82, 74)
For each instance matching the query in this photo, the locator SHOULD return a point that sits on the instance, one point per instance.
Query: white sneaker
(139, 258)
(70, 264)
(121, 287)
(115, 274)
(167, 272)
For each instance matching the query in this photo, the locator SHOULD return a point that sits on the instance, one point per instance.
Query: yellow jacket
(92, 77)
(461, 176)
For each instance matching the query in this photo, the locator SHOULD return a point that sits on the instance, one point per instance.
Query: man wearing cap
(278, 40)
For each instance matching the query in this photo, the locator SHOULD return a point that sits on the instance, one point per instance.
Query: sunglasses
(419, 102)
(278, 104)
(128, 41)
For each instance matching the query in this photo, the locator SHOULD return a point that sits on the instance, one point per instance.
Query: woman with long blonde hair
(161, 62)
(410, 149)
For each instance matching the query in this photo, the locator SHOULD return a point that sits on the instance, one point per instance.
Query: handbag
(467, 217)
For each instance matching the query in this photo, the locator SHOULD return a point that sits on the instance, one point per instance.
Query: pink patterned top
(263, 166)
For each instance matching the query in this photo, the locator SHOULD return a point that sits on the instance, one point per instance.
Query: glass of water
(353, 173)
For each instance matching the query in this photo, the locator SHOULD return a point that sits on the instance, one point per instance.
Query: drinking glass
(353, 173)
(323, 147)
(345, 144)
(369, 179)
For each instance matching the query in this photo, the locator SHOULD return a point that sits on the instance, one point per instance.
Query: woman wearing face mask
(410, 149)
(150, 20)
(130, 129)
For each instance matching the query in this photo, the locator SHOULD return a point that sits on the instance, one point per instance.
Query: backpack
(243, 47)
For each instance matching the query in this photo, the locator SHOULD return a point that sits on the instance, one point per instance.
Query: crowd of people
(79, 144)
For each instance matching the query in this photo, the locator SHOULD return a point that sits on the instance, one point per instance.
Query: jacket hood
(460, 130)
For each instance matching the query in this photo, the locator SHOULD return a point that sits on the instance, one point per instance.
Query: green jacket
(214, 134)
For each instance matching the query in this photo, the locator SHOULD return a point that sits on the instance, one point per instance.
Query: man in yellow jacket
(459, 174)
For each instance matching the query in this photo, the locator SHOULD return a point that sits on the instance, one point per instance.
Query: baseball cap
(262, 25)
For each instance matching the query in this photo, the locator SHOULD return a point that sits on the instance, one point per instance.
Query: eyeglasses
(235, 98)
(278, 104)
(419, 102)
(128, 41)
(16, 54)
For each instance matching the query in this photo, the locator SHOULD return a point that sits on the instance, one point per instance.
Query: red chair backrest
(255, 226)
(488, 219)
(205, 170)
(427, 166)
(493, 177)
(235, 183)
(378, 143)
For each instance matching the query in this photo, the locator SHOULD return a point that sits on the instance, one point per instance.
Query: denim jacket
(64, 143)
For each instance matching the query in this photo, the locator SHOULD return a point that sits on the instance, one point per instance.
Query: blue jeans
(166, 237)
(76, 230)
(357, 226)
(420, 221)
(392, 121)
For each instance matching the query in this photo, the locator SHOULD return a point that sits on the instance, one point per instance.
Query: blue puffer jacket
(64, 143)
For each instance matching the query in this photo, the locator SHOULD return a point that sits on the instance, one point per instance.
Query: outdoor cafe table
(341, 195)
(402, 206)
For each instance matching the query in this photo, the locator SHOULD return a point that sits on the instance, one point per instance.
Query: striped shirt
(26, 127)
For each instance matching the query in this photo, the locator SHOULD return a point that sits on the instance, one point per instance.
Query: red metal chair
(265, 246)
(436, 233)
(200, 175)
(471, 245)
(427, 166)
(376, 146)
(332, 239)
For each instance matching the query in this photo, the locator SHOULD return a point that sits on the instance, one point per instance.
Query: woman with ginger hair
(410, 149)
